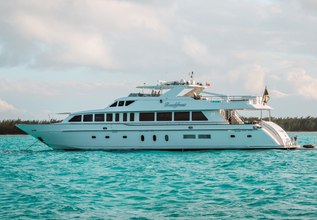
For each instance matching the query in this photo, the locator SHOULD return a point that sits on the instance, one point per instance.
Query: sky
(73, 55)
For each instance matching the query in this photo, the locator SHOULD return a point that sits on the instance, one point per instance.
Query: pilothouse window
(129, 102)
(121, 103)
(114, 104)
(76, 118)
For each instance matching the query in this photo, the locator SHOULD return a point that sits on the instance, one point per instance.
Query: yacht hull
(102, 136)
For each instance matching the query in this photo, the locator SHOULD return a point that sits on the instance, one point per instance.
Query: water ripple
(39, 183)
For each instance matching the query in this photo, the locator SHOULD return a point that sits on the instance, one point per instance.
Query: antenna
(192, 75)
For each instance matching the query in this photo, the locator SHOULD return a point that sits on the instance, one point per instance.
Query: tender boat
(176, 115)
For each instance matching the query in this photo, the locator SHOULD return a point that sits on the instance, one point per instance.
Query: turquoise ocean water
(39, 183)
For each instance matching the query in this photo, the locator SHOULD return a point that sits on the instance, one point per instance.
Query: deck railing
(247, 99)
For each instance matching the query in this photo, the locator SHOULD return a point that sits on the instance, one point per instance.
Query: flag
(207, 84)
(266, 97)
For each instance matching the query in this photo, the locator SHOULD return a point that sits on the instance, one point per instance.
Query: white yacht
(177, 115)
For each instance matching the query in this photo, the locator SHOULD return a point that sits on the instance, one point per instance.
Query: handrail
(250, 99)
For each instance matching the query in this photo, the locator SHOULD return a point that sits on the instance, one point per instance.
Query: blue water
(39, 183)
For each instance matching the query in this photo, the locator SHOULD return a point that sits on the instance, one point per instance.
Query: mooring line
(32, 144)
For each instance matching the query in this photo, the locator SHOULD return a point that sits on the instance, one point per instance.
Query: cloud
(241, 46)
(67, 34)
(252, 77)
(6, 107)
(196, 50)
(305, 84)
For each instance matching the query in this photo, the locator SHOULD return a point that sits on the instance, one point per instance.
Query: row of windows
(168, 116)
(122, 103)
(101, 117)
(143, 116)
(200, 136)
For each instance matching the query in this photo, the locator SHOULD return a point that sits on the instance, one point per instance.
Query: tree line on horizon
(288, 124)
(9, 126)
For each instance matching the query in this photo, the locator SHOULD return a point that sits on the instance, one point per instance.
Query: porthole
(249, 136)
(107, 137)
(124, 137)
(166, 138)
(154, 137)
(232, 136)
(142, 137)
(93, 137)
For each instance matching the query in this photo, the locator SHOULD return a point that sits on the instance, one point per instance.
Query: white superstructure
(177, 115)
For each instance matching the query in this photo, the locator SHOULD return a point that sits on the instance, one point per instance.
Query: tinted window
(204, 136)
(87, 118)
(121, 103)
(117, 116)
(147, 116)
(114, 104)
(142, 137)
(124, 116)
(164, 116)
(128, 103)
(181, 116)
(99, 117)
(109, 117)
(131, 116)
(198, 116)
(76, 118)
(189, 136)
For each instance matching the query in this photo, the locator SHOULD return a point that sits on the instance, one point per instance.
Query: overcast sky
(71, 55)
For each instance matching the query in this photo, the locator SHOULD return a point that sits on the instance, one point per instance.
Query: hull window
(232, 136)
(164, 116)
(249, 136)
(142, 137)
(189, 136)
(147, 116)
(107, 137)
(204, 136)
(99, 117)
(166, 138)
(76, 118)
(198, 116)
(87, 118)
(181, 116)
(154, 137)
(124, 137)
(93, 137)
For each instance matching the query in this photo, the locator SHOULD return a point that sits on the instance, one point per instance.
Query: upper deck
(187, 91)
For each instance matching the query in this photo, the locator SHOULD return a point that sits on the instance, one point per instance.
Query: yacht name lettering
(174, 105)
